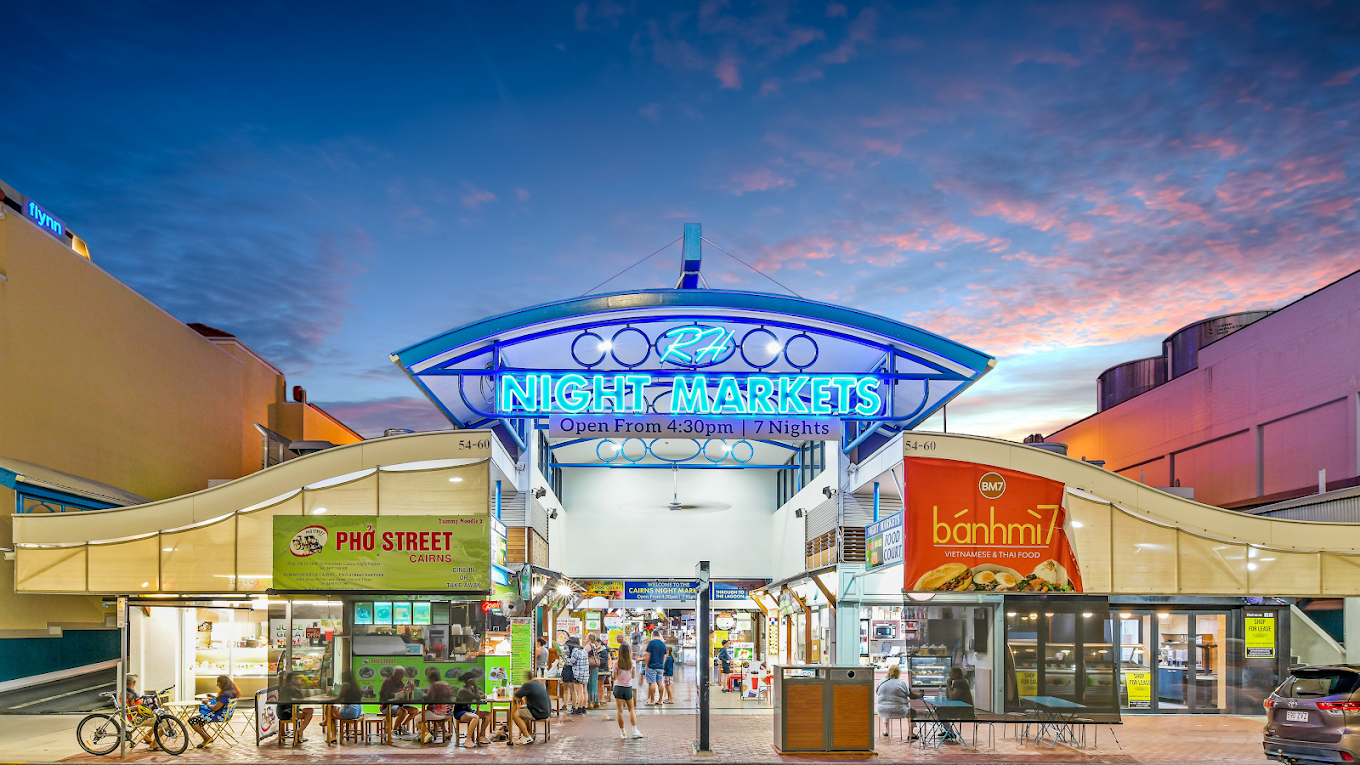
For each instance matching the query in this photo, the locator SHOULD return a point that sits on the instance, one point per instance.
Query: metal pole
(119, 701)
(701, 742)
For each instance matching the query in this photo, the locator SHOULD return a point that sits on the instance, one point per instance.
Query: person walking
(656, 667)
(593, 661)
(669, 675)
(579, 664)
(623, 690)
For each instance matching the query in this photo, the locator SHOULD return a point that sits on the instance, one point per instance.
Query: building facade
(106, 400)
(1254, 417)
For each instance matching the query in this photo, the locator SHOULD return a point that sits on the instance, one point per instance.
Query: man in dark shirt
(656, 668)
(535, 706)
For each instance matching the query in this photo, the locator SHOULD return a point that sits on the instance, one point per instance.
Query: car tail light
(1268, 703)
(1347, 757)
(1339, 706)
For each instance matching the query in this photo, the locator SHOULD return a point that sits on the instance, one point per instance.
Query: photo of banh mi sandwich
(1049, 576)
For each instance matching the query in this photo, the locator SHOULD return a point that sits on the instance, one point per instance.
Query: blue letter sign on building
(42, 218)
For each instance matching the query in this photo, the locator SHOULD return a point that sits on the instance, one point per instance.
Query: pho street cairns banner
(416, 553)
(977, 527)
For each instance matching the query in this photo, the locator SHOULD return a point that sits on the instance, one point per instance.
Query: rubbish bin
(823, 709)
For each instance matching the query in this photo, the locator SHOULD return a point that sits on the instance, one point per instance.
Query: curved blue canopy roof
(924, 370)
(487, 329)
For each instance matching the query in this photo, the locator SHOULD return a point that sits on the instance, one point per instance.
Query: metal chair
(222, 728)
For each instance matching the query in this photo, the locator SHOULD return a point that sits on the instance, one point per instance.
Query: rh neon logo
(689, 345)
(41, 217)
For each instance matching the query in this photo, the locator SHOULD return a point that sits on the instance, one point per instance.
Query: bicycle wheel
(98, 734)
(171, 735)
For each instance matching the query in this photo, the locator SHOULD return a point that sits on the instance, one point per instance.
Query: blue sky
(1058, 184)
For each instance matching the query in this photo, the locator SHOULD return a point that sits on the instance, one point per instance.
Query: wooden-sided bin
(823, 709)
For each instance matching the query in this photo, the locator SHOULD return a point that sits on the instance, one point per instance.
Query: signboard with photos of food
(972, 527)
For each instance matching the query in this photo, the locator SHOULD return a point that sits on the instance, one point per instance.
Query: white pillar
(1351, 630)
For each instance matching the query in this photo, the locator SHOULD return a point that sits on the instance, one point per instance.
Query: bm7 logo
(690, 345)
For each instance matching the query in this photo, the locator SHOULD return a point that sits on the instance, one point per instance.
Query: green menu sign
(414, 553)
(521, 649)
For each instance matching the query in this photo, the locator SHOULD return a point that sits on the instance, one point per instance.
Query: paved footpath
(740, 738)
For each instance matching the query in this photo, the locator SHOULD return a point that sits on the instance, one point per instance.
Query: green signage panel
(521, 649)
(415, 553)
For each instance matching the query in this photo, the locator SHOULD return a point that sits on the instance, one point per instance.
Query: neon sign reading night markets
(796, 395)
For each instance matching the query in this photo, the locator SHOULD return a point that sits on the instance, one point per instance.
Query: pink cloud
(883, 147)
(763, 179)
(796, 251)
(1331, 208)
(522, 194)
(1342, 78)
(770, 87)
(477, 197)
(371, 418)
(1225, 147)
(835, 9)
(727, 74)
(860, 34)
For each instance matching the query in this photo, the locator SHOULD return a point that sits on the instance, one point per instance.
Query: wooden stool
(459, 737)
(351, 730)
(288, 729)
(374, 725)
(547, 728)
(440, 728)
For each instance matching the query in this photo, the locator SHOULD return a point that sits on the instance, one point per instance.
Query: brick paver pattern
(669, 737)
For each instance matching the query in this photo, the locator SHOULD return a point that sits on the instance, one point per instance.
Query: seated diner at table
(292, 691)
(464, 707)
(214, 708)
(438, 700)
(535, 706)
(396, 689)
(351, 698)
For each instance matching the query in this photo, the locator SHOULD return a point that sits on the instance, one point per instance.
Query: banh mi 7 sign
(977, 527)
(390, 553)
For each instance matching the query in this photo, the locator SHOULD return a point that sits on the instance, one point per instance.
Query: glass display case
(232, 642)
(928, 674)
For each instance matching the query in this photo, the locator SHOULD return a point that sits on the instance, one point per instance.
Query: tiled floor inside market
(742, 732)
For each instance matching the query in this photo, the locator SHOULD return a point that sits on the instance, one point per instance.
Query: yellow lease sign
(1260, 634)
(1138, 686)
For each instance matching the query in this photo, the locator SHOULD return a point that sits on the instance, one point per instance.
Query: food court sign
(386, 553)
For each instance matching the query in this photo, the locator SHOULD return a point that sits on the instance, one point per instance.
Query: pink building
(1244, 409)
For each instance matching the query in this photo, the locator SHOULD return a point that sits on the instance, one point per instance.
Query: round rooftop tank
(1182, 348)
(1122, 382)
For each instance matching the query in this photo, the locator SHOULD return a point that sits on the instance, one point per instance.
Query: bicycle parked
(99, 733)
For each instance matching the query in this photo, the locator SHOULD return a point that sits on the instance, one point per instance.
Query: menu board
(420, 612)
(363, 613)
(401, 613)
(382, 613)
(521, 648)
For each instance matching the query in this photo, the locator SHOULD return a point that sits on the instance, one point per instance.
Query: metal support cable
(630, 268)
(753, 268)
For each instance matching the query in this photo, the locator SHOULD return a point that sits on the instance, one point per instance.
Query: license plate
(1291, 715)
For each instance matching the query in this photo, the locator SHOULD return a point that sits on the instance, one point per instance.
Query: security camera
(520, 467)
(540, 493)
(553, 514)
(798, 513)
(828, 491)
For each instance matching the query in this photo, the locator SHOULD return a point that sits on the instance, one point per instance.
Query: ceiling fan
(676, 505)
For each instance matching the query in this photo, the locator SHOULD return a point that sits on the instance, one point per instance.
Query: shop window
(1060, 646)
(417, 635)
(807, 463)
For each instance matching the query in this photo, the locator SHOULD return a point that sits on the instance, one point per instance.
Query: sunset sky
(1060, 185)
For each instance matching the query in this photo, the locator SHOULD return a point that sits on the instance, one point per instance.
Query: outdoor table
(947, 709)
(182, 709)
(1056, 718)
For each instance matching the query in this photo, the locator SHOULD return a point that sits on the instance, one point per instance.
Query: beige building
(106, 400)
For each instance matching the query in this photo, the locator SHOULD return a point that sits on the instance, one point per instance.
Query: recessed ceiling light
(456, 479)
(319, 511)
